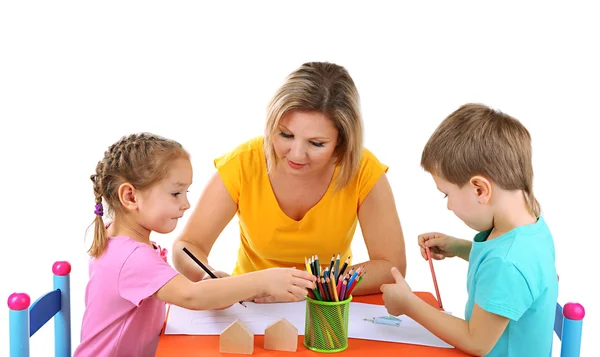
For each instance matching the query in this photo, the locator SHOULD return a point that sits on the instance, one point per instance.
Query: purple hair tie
(99, 211)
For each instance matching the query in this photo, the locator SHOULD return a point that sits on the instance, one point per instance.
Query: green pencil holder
(326, 325)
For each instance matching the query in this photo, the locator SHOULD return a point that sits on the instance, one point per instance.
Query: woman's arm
(383, 236)
(212, 213)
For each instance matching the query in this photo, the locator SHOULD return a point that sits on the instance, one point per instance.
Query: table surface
(208, 346)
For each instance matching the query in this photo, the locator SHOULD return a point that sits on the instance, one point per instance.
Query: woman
(301, 189)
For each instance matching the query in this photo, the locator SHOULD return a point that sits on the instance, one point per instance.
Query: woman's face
(305, 142)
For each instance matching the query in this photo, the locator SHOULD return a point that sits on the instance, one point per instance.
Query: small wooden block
(281, 335)
(236, 338)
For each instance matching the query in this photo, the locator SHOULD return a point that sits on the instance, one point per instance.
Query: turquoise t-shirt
(514, 276)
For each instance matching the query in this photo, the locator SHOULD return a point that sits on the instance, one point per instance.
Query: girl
(143, 179)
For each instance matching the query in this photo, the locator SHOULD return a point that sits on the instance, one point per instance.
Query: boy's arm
(464, 249)
(476, 337)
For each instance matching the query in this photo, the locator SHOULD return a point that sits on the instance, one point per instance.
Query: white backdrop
(76, 76)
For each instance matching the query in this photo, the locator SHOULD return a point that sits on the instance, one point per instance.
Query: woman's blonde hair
(478, 140)
(329, 89)
(139, 159)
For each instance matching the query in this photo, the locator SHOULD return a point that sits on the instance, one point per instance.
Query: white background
(76, 76)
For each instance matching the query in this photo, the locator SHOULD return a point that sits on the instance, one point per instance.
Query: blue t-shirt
(514, 276)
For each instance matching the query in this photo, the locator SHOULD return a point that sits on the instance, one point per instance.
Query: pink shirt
(121, 317)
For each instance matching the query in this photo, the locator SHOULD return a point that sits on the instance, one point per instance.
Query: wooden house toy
(281, 335)
(236, 338)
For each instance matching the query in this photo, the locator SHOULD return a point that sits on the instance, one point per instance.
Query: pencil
(321, 289)
(332, 262)
(437, 291)
(308, 269)
(212, 275)
(326, 289)
(345, 266)
(337, 267)
(343, 290)
(334, 287)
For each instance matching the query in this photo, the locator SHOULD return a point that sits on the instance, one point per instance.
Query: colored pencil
(337, 267)
(437, 291)
(344, 266)
(332, 263)
(212, 275)
(343, 289)
(308, 269)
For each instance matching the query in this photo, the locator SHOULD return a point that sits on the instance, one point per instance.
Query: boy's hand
(440, 245)
(396, 297)
(285, 284)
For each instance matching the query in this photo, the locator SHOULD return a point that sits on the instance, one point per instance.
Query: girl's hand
(266, 299)
(397, 297)
(284, 284)
(440, 245)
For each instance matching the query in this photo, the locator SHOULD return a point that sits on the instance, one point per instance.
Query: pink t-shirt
(121, 317)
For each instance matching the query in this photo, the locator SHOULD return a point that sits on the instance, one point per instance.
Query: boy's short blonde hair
(329, 89)
(478, 140)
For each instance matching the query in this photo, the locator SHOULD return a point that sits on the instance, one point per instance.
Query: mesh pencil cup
(326, 325)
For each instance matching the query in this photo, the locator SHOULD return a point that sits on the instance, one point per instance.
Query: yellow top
(269, 238)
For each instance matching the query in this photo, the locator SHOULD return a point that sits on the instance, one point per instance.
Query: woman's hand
(218, 273)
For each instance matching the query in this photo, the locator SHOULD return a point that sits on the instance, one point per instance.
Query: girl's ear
(482, 188)
(127, 196)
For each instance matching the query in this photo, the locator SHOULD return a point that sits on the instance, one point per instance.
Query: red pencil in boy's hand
(437, 291)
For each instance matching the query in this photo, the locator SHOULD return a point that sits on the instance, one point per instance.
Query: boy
(481, 160)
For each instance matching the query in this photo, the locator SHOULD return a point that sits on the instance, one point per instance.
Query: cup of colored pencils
(328, 305)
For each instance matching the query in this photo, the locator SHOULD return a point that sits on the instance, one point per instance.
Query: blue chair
(568, 324)
(24, 321)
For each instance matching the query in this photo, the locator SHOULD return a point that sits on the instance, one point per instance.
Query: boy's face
(466, 203)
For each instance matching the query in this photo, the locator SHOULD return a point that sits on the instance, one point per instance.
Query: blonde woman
(301, 189)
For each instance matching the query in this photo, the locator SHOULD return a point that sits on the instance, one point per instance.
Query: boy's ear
(127, 196)
(482, 187)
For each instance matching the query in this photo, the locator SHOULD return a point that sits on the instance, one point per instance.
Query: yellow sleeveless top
(269, 238)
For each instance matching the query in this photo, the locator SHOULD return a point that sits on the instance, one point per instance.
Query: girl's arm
(383, 237)
(287, 284)
(476, 337)
(213, 212)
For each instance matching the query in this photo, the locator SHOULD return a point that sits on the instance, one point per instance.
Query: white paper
(212, 322)
(258, 316)
(407, 330)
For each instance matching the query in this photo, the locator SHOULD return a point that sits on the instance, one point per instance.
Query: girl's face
(305, 142)
(161, 206)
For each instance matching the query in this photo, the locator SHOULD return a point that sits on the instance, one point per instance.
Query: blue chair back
(26, 320)
(568, 325)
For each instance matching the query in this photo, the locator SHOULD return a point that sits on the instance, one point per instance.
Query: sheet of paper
(402, 329)
(212, 322)
(366, 321)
